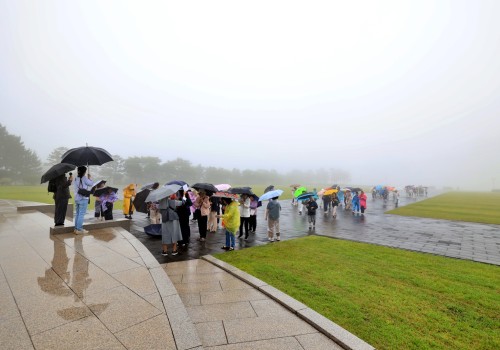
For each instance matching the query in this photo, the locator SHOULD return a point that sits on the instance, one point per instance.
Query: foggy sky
(395, 92)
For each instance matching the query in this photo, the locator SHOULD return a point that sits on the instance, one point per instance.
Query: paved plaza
(111, 289)
(463, 240)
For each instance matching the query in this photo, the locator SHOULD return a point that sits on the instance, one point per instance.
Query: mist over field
(390, 92)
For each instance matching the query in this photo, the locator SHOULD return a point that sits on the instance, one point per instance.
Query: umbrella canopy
(98, 183)
(205, 186)
(223, 187)
(176, 182)
(299, 191)
(346, 189)
(100, 191)
(241, 190)
(140, 201)
(321, 192)
(306, 195)
(56, 170)
(356, 189)
(147, 186)
(224, 194)
(271, 194)
(153, 230)
(86, 155)
(330, 191)
(162, 192)
(269, 188)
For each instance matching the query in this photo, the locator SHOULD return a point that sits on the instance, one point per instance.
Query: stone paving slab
(84, 291)
(237, 317)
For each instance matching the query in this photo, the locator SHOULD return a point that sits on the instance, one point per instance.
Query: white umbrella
(162, 192)
(270, 194)
(223, 187)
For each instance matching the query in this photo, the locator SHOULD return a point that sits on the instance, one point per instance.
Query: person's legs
(247, 221)
(334, 211)
(277, 229)
(60, 211)
(202, 226)
(313, 220)
(81, 209)
(270, 229)
(232, 240)
(228, 239)
(309, 220)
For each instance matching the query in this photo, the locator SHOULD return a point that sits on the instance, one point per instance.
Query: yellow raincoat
(128, 194)
(231, 218)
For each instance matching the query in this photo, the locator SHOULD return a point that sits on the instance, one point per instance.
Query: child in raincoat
(355, 203)
(231, 222)
(128, 195)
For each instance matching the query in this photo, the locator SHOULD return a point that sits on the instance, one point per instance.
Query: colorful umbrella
(299, 191)
(330, 191)
(223, 187)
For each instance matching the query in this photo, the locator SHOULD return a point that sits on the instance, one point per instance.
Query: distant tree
(112, 172)
(141, 170)
(181, 169)
(55, 156)
(18, 164)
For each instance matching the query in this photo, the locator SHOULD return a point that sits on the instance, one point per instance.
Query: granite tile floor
(462, 240)
(101, 291)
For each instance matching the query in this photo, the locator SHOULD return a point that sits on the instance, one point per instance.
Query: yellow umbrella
(330, 191)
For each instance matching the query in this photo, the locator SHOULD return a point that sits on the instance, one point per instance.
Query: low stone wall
(123, 223)
(46, 209)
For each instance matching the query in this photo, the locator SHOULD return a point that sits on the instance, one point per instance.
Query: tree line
(22, 166)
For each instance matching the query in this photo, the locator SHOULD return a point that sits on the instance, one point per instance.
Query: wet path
(478, 242)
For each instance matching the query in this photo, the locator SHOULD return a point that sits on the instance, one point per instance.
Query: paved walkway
(463, 240)
(104, 290)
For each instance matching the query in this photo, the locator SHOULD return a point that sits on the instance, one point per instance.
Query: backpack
(52, 187)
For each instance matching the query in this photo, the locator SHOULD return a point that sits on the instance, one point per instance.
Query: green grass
(482, 207)
(393, 299)
(36, 194)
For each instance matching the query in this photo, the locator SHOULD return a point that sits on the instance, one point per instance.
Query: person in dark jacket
(184, 211)
(61, 197)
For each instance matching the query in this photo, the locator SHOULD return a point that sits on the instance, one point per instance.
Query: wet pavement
(463, 240)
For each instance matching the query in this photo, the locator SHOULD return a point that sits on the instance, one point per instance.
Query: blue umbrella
(271, 194)
(307, 195)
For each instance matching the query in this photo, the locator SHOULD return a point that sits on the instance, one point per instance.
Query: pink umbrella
(223, 187)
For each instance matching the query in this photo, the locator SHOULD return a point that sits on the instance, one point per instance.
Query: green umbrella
(299, 191)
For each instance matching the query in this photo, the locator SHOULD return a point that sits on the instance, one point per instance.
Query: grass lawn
(483, 207)
(391, 298)
(38, 194)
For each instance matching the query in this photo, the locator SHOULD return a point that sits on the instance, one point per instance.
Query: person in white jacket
(244, 214)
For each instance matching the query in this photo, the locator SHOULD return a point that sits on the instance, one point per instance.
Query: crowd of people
(237, 216)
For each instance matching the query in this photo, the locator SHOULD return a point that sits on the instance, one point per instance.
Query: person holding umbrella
(273, 219)
(244, 214)
(170, 227)
(81, 185)
(202, 203)
(107, 199)
(61, 197)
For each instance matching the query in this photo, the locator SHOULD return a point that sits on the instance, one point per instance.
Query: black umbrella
(86, 155)
(100, 191)
(153, 230)
(241, 190)
(56, 170)
(148, 186)
(205, 186)
(269, 188)
(140, 201)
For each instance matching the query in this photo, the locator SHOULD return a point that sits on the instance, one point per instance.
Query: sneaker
(202, 239)
(164, 253)
(270, 239)
(224, 247)
(278, 238)
(175, 252)
(231, 248)
(76, 232)
(84, 231)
